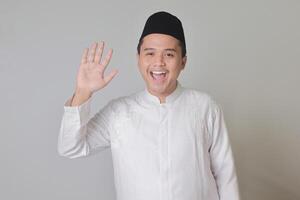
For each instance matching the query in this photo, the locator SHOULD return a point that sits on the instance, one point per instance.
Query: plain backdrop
(243, 53)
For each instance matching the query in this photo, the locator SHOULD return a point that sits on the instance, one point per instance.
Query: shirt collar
(150, 98)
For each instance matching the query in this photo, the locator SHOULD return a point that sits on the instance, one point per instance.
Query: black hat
(164, 23)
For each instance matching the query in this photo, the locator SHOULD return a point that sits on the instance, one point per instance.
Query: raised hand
(90, 77)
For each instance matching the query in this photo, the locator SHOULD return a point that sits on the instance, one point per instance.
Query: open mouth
(158, 75)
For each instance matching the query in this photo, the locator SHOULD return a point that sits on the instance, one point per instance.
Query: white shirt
(178, 150)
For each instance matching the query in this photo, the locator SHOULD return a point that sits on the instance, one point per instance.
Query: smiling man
(167, 142)
(160, 62)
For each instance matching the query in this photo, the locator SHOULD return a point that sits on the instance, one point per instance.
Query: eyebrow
(151, 49)
(148, 49)
(170, 50)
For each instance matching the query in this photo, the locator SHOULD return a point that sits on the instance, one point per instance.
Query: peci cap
(164, 23)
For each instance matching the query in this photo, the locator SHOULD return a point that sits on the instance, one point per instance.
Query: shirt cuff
(81, 111)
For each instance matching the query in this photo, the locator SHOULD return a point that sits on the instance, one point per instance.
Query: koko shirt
(177, 150)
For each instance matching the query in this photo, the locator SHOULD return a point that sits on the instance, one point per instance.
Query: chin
(158, 89)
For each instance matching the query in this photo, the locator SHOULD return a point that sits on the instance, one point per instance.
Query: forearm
(222, 161)
(79, 135)
(72, 141)
(226, 179)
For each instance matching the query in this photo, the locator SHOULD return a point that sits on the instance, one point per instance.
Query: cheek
(143, 64)
(175, 73)
(175, 67)
(142, 68)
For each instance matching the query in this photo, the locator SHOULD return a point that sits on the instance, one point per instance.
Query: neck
(162, 100)
(162, 97)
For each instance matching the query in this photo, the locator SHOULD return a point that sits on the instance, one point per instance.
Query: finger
(106, 60)
(110, 76)
(99, 52)
(84, 56)
(92, 51)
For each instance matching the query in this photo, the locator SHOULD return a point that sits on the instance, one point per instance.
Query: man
(167, 142)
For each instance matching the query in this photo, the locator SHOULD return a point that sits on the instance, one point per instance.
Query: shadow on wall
(268, 161)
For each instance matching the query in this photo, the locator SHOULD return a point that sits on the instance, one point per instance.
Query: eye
(149, 54)
(170, 55)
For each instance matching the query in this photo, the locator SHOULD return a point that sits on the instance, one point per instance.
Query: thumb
(110, 76)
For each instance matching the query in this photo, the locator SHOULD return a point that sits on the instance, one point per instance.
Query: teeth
(158, 72)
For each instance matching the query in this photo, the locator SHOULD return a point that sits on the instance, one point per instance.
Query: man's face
(160, 62)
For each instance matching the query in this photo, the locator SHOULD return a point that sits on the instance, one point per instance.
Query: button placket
(163, 138)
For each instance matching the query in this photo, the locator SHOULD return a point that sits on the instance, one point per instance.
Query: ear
(184, 59)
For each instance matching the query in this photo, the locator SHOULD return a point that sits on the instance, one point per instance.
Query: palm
(91, 71)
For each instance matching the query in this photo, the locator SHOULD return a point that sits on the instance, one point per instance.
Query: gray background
(244, 53)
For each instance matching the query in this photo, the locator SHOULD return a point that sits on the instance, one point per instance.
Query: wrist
(80, 96)
(82, 92)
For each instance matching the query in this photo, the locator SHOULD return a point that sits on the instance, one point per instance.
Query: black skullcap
(164, 23)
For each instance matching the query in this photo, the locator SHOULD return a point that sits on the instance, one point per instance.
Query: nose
(159, 60)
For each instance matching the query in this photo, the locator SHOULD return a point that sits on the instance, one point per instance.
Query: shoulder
(204, 105)
(201, 102)
(198, 98)
(123, 103)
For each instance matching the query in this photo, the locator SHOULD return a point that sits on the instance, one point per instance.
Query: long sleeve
(80, 136)
(222, 162)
